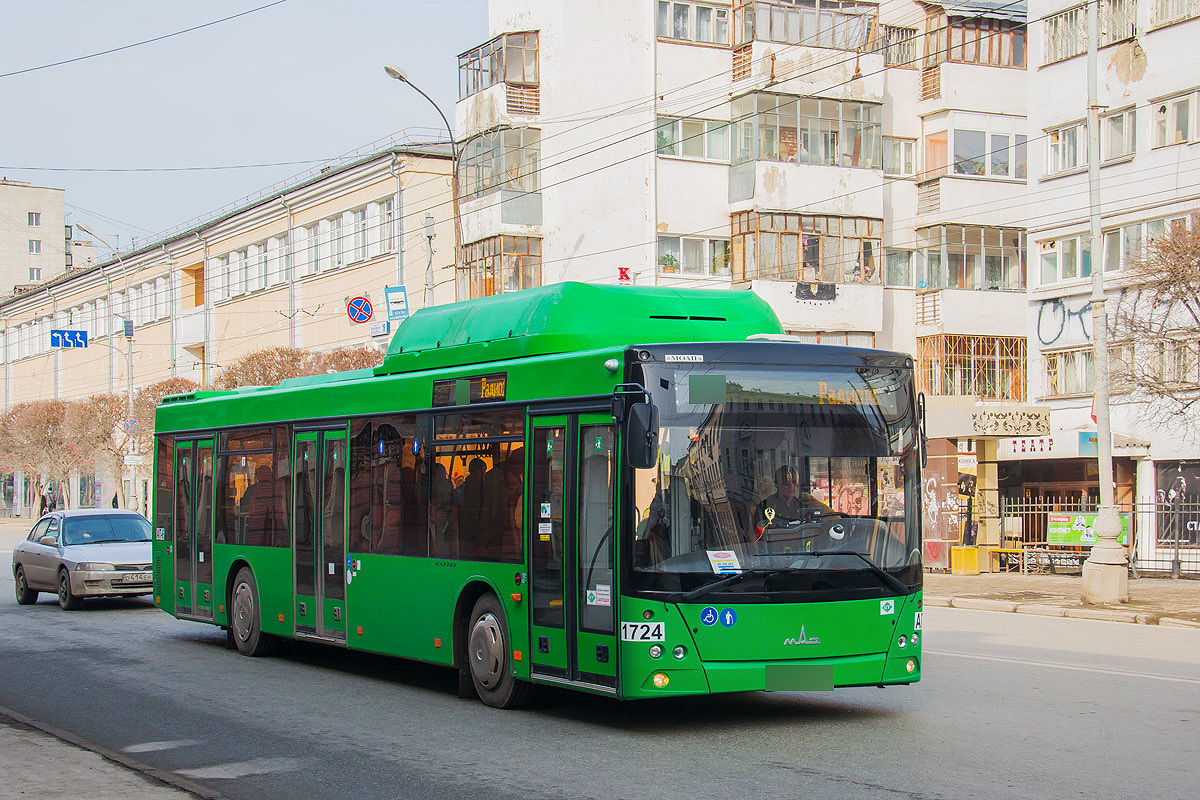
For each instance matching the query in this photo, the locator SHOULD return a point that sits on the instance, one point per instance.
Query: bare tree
(43, 437)
(270, 366)
(1155, 339)
(146, 401)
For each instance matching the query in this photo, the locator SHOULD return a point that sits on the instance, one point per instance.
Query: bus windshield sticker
(680, 358)
(724, 562)
(643, 632)
(887, 607)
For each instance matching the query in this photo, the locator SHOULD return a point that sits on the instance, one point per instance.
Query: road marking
(241, 769)
(1075, 667)
(151, 747)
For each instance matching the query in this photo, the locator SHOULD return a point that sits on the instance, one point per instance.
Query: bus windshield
(802, 478)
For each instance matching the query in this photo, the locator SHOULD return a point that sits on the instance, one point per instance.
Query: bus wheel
(244, 616)
(487, 657)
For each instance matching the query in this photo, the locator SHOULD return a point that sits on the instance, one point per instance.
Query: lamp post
(399, 74)
(128, 320)
(1105, 572)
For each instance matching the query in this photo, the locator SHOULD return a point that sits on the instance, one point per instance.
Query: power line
(139, 44)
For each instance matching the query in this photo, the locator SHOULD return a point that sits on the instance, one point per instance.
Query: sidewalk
(1152, 601)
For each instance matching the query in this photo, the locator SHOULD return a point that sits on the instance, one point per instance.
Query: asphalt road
(1010, 706)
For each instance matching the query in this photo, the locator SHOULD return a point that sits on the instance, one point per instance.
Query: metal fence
(1055, 534)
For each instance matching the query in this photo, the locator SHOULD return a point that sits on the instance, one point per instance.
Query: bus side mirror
(641, 435)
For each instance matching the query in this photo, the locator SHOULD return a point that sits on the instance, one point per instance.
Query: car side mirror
(49, 541)
(641, 435)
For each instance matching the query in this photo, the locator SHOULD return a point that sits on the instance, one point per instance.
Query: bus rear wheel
(244, 618)
(488, 657)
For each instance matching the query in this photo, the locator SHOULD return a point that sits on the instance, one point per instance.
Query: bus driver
(788, 503)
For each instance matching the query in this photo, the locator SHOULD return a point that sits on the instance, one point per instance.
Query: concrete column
(987, 496)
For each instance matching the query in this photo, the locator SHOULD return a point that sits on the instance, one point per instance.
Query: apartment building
(278, 271)
(1149, 174)
(36, 244)
(836, 157)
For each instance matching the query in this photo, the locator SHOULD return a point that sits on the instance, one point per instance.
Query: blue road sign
(396, 298)
(728, 617)
(708, 615)
(359, 310)
(68, 338)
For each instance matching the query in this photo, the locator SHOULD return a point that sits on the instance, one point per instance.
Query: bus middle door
(193, 529)
(319, 547)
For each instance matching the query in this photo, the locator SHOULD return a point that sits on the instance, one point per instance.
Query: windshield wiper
(888, 579)
(102, 541)
(687, 597)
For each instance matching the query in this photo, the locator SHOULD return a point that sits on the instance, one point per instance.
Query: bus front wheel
(488, 657)
(246, 625)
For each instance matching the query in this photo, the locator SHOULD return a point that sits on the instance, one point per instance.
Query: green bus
(635, 492)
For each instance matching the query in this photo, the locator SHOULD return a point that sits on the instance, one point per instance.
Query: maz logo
(802, 639)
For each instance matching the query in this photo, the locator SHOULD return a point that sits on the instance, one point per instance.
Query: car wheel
(67, 598)
(487, 657)
(25, 595)
(246, 625)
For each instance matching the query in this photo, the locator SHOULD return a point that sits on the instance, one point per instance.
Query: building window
(794, 247)
(996, 155)
(899, 157)
(693, 22)
(839, 338)
(35, 274)
(970, 257)
(1066, 32)
(1066, 258)
(1168, 11)
(35, 246)
(387, 224)
(1172, 121)
(686, 255)
(1117, 135)
(503, 159)
(1069, 372)
(358, 233)
(898, 268)
(35, 219)
(1066, 148)
(501, 264)
(899, 46)
(839, 24)
(987, 367)
(1177, 362)
(693, 138)
(975, 40)
(807, 130)
(509, 58)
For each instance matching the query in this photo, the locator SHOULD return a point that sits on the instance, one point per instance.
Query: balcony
(498, 83)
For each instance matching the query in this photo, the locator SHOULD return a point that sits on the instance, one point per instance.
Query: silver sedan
(84, 553)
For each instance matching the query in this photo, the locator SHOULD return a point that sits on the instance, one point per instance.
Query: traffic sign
(359, 310)
(131, 426)
(134, 461)
(68, 338)
(397, 302)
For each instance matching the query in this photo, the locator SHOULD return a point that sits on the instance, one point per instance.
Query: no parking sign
(359, 310)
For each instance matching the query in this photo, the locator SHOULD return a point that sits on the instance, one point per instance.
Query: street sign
(359, 310)
(381, 328)
(128, 329)
(68, 338)
(134, 461)
(396, 298)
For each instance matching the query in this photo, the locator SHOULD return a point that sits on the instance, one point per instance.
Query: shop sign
(1077, 529)
(1064, 444)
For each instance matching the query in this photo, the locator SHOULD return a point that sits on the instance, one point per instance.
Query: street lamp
(399, 74)
(128, 320)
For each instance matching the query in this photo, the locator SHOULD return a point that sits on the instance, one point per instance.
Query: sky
(299, 81)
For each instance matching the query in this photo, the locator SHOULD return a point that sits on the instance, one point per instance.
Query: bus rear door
(319, 547)
(193, 528)
(572, 587)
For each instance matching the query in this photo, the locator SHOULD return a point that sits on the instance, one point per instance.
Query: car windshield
(107, 528)
(761, 464)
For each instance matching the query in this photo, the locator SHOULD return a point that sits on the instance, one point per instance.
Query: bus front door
(319, 547)
(572, 587)
(192, 522)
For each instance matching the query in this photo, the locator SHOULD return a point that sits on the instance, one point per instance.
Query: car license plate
(137, 577)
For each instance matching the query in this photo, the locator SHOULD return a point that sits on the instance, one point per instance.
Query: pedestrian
(42, 504)
(114, 500)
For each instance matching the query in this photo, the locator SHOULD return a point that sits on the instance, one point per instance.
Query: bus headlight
(914, 639)
(680, 651)
(902, 641)
(655, 651)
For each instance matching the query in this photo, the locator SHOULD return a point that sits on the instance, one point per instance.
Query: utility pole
(1106, 570)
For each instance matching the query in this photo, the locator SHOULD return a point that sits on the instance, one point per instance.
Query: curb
(1046, 610)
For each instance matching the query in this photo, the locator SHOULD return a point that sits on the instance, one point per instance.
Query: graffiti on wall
(1055, 319)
